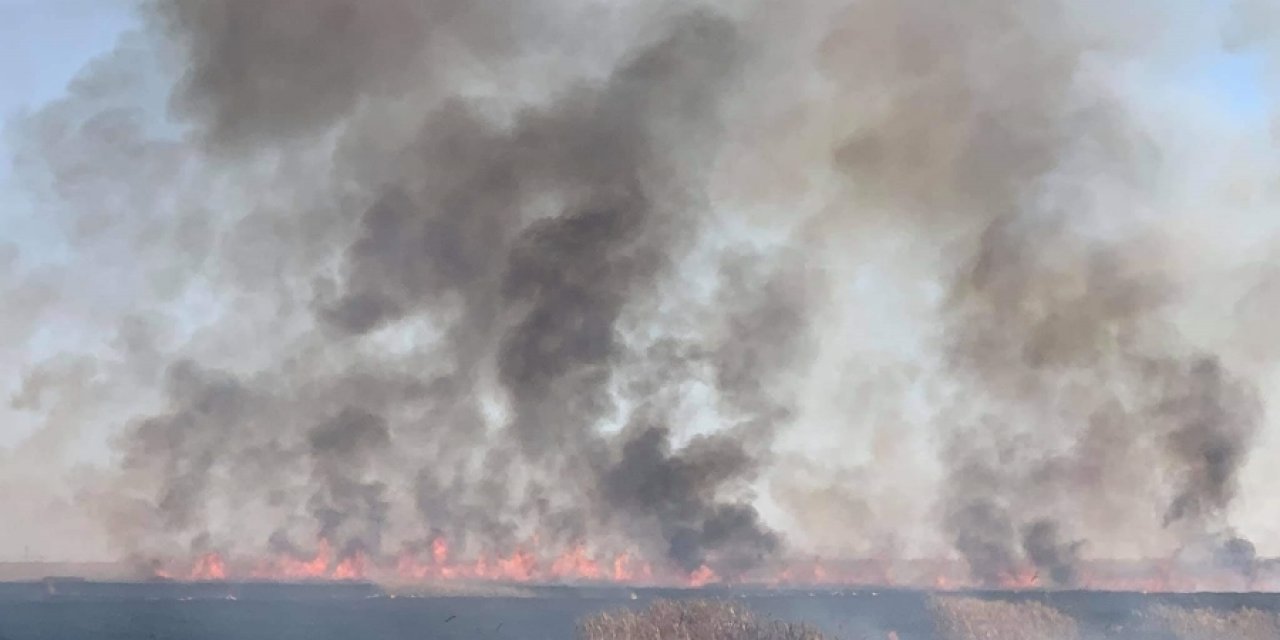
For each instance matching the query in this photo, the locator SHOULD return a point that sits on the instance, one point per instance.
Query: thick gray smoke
(341, 449)
(1046, 549)
(705, 282)
(1049, 324)
(524, 240)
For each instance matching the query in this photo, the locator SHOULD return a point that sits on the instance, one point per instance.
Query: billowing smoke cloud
(635, 278)
(1057, 315)
(523, 242)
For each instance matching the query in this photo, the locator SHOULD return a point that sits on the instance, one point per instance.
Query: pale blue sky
(1238, 80)
(46, 41)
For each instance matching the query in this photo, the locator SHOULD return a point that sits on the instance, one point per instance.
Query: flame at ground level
(577, 564)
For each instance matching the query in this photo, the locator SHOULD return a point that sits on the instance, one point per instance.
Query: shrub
(958, 618)
(690, 620)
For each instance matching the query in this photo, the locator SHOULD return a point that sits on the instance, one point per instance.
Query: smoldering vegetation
(665, 279)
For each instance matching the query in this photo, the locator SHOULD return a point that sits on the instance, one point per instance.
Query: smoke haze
(717, 284)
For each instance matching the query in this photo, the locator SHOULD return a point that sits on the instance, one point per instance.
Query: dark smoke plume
(1047, 550)
(677, 491)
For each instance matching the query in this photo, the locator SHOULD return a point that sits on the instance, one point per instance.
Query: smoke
(1214, 422)
(1240, 556)
(1057, 311)
(677, 493)
(1046, 549)
(685, 280)
(522, 241)
(342, 449)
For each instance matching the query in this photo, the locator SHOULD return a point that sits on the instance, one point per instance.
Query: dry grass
(690, 620)
(958, 618)
(1208, 624)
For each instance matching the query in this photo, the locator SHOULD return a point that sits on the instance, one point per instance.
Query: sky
(48, 41)
(46, 44)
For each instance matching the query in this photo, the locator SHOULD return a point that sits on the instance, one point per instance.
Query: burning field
(940, 297)
(576, 566)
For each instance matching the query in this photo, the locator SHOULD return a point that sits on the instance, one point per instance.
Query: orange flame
(209, 567)
(351, 568)
(575, 563)
(624, 571)
(530, 563)
(702, 577)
